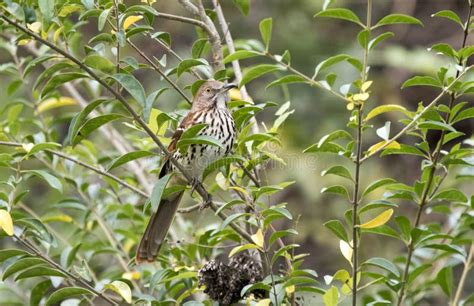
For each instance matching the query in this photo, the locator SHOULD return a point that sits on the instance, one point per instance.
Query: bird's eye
(208, 89)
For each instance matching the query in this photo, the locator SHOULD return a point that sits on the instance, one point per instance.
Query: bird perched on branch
(208, 107)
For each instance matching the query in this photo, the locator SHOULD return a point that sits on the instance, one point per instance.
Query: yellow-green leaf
(379, 220)
(346, 250)
(34, 27)
(55, 103)
(131, 20)
(360, 96)
(383, 109)
(264, 302)
(375, 147)
(241, 248)
(258, 238)
(121, 288)
(6, 222)
(290, 289)
(58, 218)
(331, 297)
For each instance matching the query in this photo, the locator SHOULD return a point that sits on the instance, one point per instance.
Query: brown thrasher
(209, 107)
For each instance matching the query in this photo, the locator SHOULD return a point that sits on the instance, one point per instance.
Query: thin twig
(79, 280)
(435, 159)
(85, 165)
(199, 188)
(462, 280)
(160, 72)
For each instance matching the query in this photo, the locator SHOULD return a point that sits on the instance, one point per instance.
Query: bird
(209, 106)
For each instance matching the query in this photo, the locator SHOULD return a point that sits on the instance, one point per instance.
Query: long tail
(157, 229)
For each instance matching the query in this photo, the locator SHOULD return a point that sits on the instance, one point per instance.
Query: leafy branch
(199, 188)
(79, 280)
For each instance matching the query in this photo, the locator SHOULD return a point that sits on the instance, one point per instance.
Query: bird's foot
(206, 203)
(194, 184)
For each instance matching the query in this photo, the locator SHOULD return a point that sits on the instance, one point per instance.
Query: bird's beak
(228, 87)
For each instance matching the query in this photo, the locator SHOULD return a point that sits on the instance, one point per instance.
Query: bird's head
(212, 94)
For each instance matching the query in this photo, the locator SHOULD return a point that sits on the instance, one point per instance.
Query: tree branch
(199, 188)
(75, 278)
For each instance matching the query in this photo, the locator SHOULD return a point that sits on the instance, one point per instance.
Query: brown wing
(189, 120)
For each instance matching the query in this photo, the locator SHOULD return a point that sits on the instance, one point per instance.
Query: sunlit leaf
(52, 103)
(6, 222)
(131, 20)
(331, 297)
(381, 219)
(383, 109)
(121, 288)
(258, 238)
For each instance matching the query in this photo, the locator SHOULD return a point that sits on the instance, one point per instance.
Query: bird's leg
(206, 203)
(194, 184)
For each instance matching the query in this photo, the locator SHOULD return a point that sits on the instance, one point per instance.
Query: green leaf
(331, 297)
(102, 19)
(339, 171)
(243, 6)
(292, 78)
(93, 124)
(76, 122)
(39, 291)
(187, 64)
(444, 49)
(241, 248)
(336, 189)
(60, 79)
(47, 9)
(127, 157)
(435, 125)
(241, 54)
(330, 62)
(39, 271)
(265, 27)
(65, 293)
(398, 19)
(21, 264)
(198, 47)
(338, 229)
(422, 81)
(377, 184)
(445, 280)
(258, 71)
(452, 195)
(201, 139)
(131, 84)
(363, 38)
(340, 13)
(99, 62)
(43, 146)
(384, 264)
(377, 40)
(8, 253)
(158, 190)
(222, 162)
(279, 234)
(121, 288)
(383, 109)
(149, 102)
(449, 15)
(52, 181)
(193, 130)
(404, 225)
(464, 114)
